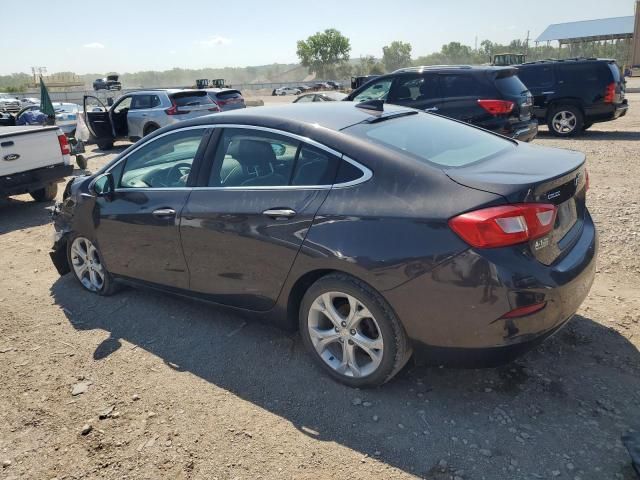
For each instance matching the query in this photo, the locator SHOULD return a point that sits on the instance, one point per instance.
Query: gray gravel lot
(187, 391)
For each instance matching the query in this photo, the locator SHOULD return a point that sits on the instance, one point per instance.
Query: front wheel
(45, 194)
(565, 121)
(351, 332)
(87, 266)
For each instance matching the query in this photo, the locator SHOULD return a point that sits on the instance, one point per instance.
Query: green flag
(46, 106)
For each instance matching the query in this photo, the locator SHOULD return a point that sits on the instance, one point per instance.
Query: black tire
(81, 161)
(587, 126)
(571, 130)
(109, 286)
(45, 194)
(149, 129)
(104, 144)
(396, 350)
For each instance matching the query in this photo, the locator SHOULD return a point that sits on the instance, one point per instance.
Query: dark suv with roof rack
(571, 95)
(487, 96)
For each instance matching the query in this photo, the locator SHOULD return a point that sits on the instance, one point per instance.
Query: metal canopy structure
(589, 30)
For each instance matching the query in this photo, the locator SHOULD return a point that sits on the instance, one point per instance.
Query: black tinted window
(411, 88)
(510, 85)
(584, 73)
(536, 76)
(141, 101)
(460, 85)
(314, 167)
(192, 100)
(347, 172)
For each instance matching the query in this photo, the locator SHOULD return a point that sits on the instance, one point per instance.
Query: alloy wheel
(87, 264)
(345, 334)
(564, 122)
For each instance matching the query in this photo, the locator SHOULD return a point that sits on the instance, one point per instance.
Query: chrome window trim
(367, 174)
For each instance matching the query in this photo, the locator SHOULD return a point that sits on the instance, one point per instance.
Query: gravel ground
(143, 385)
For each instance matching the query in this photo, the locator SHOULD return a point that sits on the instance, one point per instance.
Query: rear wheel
(45, 194)
(87, 266)
(565, 121)
(149, 129)
(351, 332)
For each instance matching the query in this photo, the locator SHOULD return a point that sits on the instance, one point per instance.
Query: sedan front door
(137, 228)
(242, 231)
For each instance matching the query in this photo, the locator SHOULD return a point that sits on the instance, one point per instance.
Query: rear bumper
(25, 182)
(606, 112)
(525, 132)
(453, 313)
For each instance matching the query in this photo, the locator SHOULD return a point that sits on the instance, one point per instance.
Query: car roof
(568, 61)
(331, 115)
(451, 68)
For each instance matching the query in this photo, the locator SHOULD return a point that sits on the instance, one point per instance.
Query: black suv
(571, 95)
(489, 97)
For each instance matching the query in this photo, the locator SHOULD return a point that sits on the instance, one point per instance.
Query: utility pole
(526, 44)
(635, 43)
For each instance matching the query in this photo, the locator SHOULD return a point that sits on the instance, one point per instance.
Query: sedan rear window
(430, 138)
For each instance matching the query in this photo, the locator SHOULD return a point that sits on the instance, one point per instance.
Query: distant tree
(323, 52)
(344, 70)
(396, 55)
(366, 64)
(377, 69)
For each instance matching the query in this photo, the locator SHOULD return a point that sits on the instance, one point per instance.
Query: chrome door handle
(164, 212)
(432, 109)
(548, 93)
(279, 213)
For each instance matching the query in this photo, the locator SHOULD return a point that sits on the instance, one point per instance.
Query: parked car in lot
(571, 95)
(226, 98)
(489, 97)
(66, 115)
(109, 83)
(9, 104)
(27, 101)
(321, 97)
(321, 86)
(335, 85)
(33, 160)
(286, 91)
(473, 260)
(139, 113)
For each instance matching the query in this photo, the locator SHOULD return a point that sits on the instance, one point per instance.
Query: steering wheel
(177, 175)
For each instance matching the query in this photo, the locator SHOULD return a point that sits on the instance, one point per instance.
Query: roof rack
(561, 60)
(430, 67)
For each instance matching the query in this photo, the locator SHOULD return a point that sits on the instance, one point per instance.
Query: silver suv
(136, 114)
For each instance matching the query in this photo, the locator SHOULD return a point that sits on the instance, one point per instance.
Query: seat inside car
(257, 159)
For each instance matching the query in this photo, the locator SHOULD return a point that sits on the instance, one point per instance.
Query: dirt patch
(176, 389)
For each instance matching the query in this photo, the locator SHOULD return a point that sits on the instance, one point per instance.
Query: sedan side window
(162, 163)
(249, 158)
(378, 91)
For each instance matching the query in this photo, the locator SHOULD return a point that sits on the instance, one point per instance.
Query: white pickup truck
(33, 160)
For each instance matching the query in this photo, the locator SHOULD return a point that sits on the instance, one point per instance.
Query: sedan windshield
(430, 138)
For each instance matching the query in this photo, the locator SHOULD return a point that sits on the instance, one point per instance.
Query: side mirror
(109, 101)
(102, 186)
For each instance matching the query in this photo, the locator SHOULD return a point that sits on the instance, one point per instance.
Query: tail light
(609, 93)
(497, 107)
(65, 148)
(173, 109)
(504, 225)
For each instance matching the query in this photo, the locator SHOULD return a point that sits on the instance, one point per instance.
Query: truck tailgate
(28, 148)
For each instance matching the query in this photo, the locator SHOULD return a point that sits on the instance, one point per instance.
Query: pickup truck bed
(33, 160)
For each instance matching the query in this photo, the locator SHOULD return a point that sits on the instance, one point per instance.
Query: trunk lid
(536, 174)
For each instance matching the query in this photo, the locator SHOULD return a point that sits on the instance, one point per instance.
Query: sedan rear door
(242, 229)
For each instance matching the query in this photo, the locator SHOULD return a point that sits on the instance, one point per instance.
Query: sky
(134, 35)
